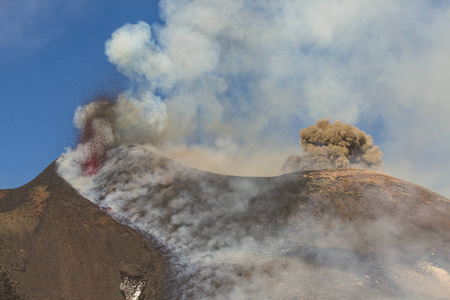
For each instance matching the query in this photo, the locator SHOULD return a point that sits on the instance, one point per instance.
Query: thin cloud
(33, 24)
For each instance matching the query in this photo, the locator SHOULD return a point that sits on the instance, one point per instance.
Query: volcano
(329, 234)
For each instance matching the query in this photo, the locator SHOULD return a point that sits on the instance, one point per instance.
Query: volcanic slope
(55, 244)
(332, 234)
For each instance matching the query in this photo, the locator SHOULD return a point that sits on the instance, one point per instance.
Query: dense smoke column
(337, 145)
(96, 133)
(105, 124)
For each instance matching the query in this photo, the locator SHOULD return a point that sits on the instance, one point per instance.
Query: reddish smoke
(92, 164)
(108, 123)
(95, 132)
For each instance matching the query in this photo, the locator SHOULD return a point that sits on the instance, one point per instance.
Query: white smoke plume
(253, 73)
(337, 145)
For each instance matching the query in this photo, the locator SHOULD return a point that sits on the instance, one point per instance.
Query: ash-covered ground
(333, 234)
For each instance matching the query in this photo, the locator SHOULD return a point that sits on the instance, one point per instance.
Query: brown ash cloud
(337, 145)
(105, 124)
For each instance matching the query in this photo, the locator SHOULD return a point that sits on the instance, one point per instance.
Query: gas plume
(253, 72)
(105, 124)
(337, 145)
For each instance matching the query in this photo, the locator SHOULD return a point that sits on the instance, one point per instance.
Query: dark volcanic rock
(360, 196)
(54, 244)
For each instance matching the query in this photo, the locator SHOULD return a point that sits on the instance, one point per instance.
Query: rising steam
(337, 145)
(249, 72)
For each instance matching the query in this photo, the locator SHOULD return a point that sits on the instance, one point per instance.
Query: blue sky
(382, 66)
(52, 60)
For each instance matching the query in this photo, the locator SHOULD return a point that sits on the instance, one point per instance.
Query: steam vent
(146, 227)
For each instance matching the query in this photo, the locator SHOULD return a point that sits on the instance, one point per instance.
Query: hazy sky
(238, 71)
